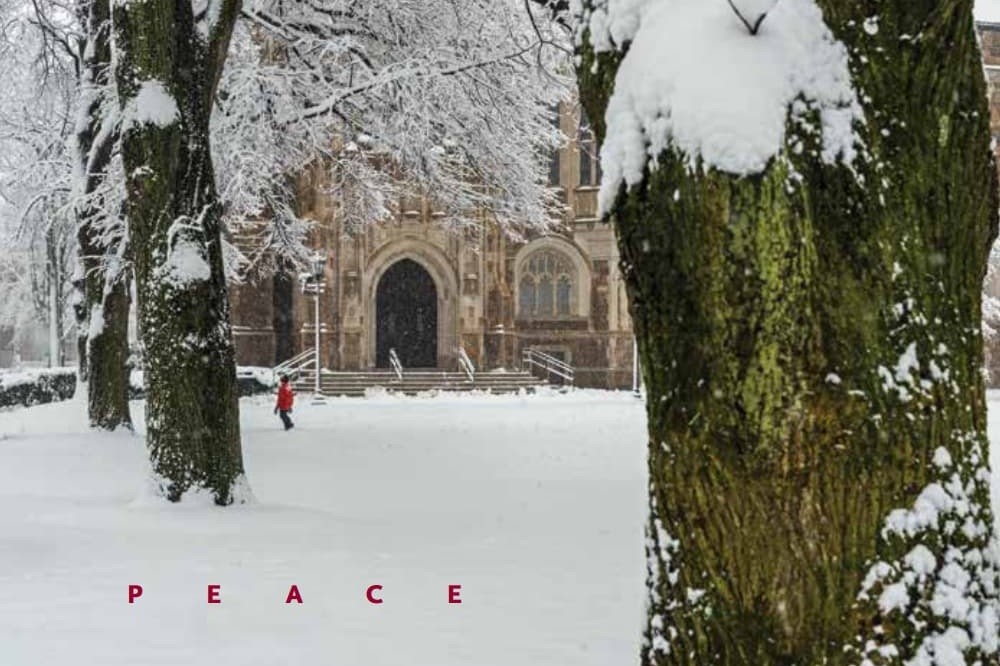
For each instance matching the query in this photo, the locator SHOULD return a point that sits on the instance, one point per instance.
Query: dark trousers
(285, 419)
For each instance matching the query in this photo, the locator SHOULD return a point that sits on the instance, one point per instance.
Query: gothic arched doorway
(406, 316)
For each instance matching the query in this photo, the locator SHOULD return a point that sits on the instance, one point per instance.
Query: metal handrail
(295, 364)
(466, 363)
(397, 366)
(550, 364)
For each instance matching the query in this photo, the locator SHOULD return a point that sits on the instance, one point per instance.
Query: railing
(549, 364)
(466, 363)
(293, 366)
(396, 365)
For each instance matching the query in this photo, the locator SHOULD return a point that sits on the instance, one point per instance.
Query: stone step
(362, 391)
(391, 385)
(451, 376)
(393, 378)
(415, 381)
(326, 388)
(416, 388)
(458, 381)
(434, 377)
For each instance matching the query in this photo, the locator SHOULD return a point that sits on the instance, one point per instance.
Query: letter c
(370, 594)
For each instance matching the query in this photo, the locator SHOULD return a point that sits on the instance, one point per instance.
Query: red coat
(285, 397)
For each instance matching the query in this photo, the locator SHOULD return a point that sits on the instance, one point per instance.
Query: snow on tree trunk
(167, 72)
(103, 300)
(809, 329)
(53, 268)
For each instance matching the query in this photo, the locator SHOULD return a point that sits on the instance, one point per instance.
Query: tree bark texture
(54, 266)
(103, 284)
(811, 351)
(172, 205)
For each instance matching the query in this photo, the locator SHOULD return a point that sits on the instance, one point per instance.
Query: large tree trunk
(53, 267)
(168, 67)
(812, 359)
(103, 286)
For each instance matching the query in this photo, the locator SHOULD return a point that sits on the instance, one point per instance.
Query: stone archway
(444, 274)
(406, 316)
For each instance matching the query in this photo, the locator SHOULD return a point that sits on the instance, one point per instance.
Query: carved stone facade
(479, 280)
(427, 292)
(989, 36)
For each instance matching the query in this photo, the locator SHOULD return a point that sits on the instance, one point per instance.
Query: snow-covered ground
(533, 504)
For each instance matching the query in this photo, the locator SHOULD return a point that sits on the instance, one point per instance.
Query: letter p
(134, 592)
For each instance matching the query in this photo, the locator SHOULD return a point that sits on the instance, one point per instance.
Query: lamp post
(635, 368)
(312, 283)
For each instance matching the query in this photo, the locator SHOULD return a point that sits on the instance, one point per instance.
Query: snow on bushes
(250, 380)
(36, 387)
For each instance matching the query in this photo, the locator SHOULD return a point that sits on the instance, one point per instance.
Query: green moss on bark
(776, 319)
(104, 357)
(192, 407)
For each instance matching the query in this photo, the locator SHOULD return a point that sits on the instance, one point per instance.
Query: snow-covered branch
(393, 98)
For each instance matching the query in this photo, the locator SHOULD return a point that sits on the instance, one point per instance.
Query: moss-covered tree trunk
(818, 485)
(103, 286)
(167, 73)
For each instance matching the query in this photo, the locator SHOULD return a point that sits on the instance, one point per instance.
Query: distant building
(411, 285)
(989, 36)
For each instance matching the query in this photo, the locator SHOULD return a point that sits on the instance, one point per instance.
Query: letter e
(454, 592)
(293, 595)
(213, 594)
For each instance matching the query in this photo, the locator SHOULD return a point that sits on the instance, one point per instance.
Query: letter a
(293, 595)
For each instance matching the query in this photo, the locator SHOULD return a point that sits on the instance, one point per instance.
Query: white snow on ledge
(695, 78)
(153, 105)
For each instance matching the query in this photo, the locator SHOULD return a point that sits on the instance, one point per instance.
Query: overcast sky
(988, 10)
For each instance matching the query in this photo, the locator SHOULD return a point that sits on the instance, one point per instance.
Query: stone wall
(989, 35)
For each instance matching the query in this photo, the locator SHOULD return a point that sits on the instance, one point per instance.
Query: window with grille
(590, 165)
(547, 285)
(554, 158)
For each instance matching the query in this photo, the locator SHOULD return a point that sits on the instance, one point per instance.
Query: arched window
(547, 284)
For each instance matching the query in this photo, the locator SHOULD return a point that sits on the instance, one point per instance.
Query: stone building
(411, 285)
(989, 36)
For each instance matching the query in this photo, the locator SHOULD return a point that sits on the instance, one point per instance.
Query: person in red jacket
(285, 400)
